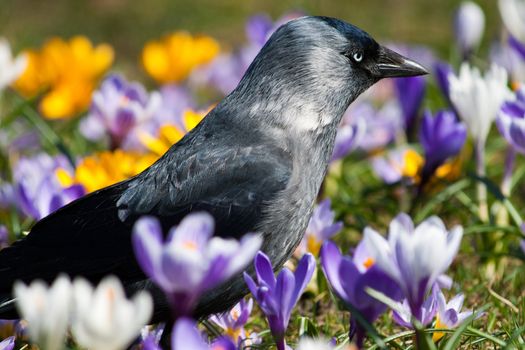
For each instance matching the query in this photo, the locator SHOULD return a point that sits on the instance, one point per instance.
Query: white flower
(10, 68)
(47, 310)
(414, 257)
(478, 99)
(513, 15)
(104, 319)
(314, 344)
(469, 26)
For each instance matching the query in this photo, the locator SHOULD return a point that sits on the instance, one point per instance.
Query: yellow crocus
(170, 134)
(106, 168)
(412, 164)
(68, 71)
(172, 58)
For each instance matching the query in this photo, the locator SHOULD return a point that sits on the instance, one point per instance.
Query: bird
(256, 163)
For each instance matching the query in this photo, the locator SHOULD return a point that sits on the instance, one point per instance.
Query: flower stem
(506, 185)
(506, 182)
(481, 188)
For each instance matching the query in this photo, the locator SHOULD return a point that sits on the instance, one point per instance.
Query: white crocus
(104, 319)
(478, 98)
(315, 344)
(469, 26)
(46, 309)
(10, 68)
(414, 257)
(513, 15)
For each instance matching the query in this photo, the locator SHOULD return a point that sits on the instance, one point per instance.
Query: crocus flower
(351, 276)
(173, 57)
(118, 110)
(190, 261)
(150, 337)
(441, 71)
(7, 343)
(348, 138)
(227, 69)
(441, 137)
(10, 68)
(403, 315)
(398, 164)
(410, 94)
(68, 71)
(233, 321)
(320, 228)
(104, 318)
(509, 55)
(477, 100)
(105, 168)
(185, 335)
(39, 193)
(176, 101)
(449, 314)
(277, 297)
(47, 310)
(316, 344)
(381, 125)
(511, 121)
(469, 25)
(414, 257)
(513, 15)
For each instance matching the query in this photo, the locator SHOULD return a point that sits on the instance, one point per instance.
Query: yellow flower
(68, 71)
(172, 58)
(438, 335)
(169, 134)
(106, 168)
(412, 165)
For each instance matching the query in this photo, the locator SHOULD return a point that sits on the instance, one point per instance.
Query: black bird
(256, 163)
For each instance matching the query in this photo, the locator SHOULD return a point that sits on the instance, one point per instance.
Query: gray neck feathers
(296, 82)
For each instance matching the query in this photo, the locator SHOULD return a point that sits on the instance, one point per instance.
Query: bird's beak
(391, 64)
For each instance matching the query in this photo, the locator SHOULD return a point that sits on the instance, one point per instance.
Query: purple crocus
(414, 256)
(277, 297)
(185, 335)
(226, 70)
(118, 109)
(449, 314)
(190, 261)
(511, 121)
(233, 321)
(349, 277)
(381, 125)
(37, 193)
(175, 101)
(7, 343)
(410, 93)
(469, 24)
(348, 138)
(442, 70)
(258, 28)
(442, 137)
(403, 315)
(320, 228)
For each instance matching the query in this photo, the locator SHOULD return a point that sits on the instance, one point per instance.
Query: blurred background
(128, 24)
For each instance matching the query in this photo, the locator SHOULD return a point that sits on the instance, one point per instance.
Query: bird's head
(322, 60)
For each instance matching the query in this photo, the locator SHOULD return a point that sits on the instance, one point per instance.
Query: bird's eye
(358, 56)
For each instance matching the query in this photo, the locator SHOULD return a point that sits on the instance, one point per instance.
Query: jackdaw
(255, 163)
